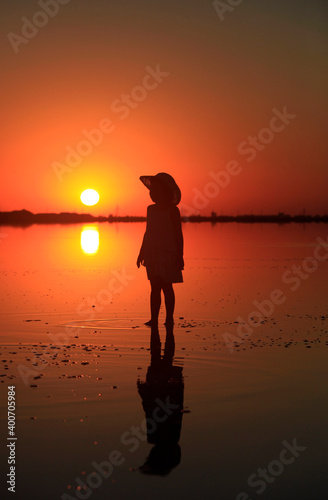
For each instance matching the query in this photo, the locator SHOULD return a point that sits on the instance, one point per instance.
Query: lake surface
(247, 373)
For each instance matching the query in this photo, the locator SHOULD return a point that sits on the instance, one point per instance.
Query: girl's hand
(139, 261)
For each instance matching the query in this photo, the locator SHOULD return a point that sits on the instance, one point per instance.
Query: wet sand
(76, 376)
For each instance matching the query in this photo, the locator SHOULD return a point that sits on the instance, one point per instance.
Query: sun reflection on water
(90, 240)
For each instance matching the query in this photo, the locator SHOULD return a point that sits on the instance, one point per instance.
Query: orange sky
(220, 83)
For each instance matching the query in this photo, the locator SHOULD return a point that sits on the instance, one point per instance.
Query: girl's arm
(141, 255)
(140, 258)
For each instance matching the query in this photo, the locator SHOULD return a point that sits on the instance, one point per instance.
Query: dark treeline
(280, 218)
(25, 218)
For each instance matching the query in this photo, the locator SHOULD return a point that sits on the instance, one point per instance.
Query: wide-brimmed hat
(167, 180)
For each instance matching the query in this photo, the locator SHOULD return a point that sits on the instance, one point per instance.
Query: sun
(89, 197)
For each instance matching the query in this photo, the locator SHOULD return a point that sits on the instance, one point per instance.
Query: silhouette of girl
(162, 247)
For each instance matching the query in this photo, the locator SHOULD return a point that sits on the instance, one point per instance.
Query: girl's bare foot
(152, 323)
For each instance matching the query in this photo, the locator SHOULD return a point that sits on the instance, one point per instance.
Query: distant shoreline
(24, 218)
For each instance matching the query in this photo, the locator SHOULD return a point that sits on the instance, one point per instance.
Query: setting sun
(89, 197)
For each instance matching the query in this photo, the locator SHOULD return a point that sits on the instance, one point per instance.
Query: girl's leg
(169, 302)
(155, 300)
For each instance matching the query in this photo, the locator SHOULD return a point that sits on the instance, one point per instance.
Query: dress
(162, 244)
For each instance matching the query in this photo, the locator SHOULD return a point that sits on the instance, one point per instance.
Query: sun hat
(167, 180)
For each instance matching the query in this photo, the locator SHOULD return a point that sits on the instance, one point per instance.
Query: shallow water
(73, 304)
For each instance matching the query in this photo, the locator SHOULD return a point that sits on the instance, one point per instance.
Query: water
(73, 304)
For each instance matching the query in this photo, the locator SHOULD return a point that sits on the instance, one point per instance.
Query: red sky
(223, 80)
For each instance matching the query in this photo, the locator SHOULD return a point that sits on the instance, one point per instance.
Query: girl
(162, 247)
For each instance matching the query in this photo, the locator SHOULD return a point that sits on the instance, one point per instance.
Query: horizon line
(194, 214)
(25, 218)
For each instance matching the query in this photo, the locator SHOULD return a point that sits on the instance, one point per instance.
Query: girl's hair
(160, 193)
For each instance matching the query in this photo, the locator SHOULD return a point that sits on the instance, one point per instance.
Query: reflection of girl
(164, 385)
(162, 247)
